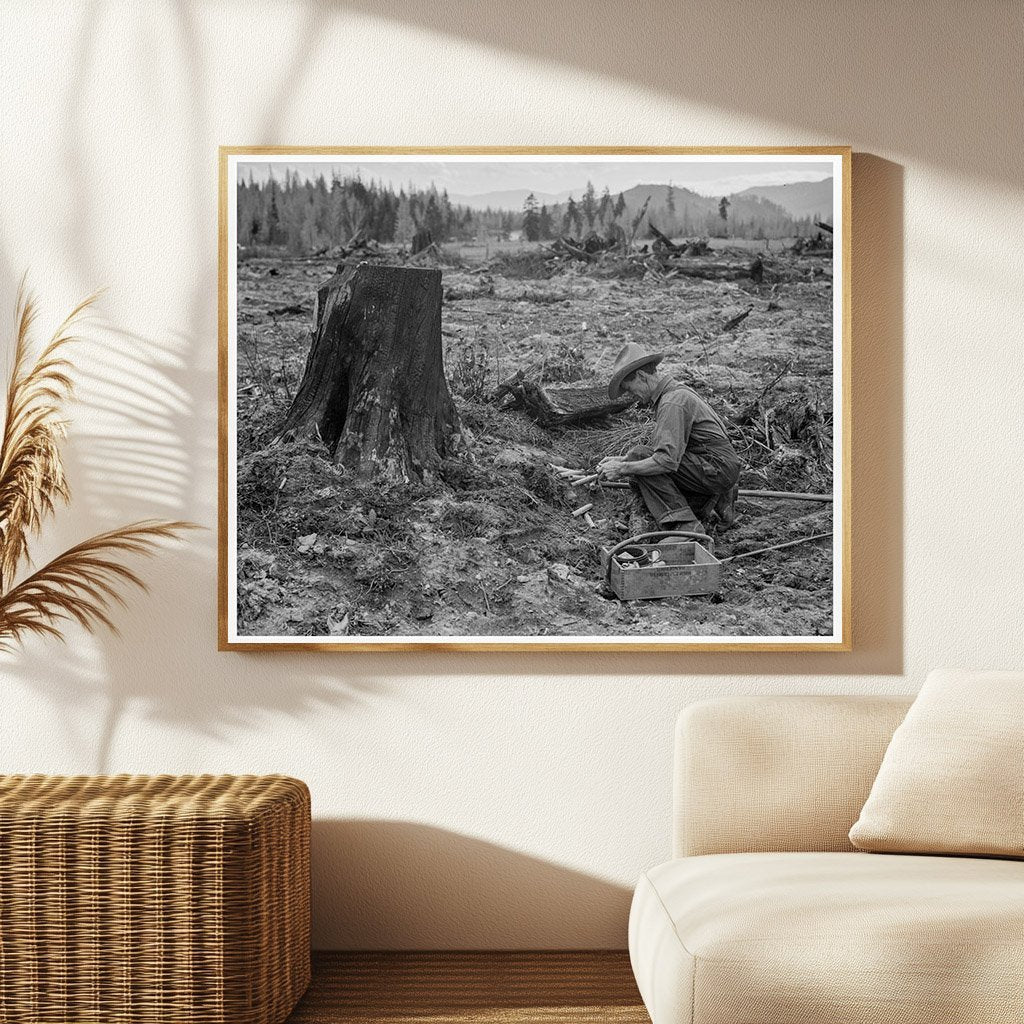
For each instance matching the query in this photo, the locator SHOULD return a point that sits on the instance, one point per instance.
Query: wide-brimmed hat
(632, 357)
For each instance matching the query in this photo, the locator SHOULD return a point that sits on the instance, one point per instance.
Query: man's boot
(725, 507)
(692, 526)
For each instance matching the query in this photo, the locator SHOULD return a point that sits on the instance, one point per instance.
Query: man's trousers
(698, 483)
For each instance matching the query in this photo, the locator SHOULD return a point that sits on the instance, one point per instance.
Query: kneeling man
(688, 474)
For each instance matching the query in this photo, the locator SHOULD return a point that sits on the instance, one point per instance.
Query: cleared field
(490, 548)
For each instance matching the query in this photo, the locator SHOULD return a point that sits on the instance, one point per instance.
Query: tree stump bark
(374, 386)
(420, 241)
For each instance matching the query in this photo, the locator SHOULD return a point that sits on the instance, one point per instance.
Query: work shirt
(685, 423)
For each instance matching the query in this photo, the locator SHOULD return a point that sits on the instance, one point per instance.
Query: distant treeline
(312, 215)
(309, 215)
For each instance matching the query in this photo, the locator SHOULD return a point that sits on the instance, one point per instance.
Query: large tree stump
(374, 386)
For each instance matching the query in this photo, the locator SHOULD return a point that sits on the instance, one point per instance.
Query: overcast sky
(558, 174)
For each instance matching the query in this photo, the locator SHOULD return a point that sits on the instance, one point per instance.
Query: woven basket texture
(137, 899)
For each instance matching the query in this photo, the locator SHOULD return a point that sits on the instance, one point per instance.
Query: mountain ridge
(799, 198)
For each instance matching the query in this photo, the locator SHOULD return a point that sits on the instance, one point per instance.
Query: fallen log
(665, 241)
(580, 254)
(553, 406)
(560, 405)
(694, 266)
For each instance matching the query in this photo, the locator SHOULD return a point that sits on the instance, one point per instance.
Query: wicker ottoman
(171, 899)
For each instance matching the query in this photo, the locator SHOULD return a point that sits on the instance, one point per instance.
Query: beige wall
(485, 800)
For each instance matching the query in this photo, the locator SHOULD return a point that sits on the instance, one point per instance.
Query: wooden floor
(464, 988)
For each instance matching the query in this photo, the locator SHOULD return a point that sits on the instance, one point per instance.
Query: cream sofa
(768, 915)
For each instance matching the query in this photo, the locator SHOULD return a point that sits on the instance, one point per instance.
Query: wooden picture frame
(799, 302)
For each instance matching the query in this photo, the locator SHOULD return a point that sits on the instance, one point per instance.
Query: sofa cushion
(790, 938)
(950, 780)
(778, 772)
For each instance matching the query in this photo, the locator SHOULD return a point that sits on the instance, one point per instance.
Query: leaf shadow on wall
(405, 885)
(147, 448)
(134, 463)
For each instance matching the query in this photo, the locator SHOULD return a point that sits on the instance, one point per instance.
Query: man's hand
(613, 466)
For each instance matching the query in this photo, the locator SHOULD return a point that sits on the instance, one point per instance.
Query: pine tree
(588, 205)
(405, 226)
(446, 214)
(604, 208)
(273, 220)
(620, 206)
(433, 218)
(305, 239)
(572, 220)
(531, 219)
(546, 227)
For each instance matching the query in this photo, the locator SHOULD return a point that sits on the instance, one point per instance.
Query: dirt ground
(491, 548)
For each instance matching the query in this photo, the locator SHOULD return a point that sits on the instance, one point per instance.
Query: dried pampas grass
(82, 584)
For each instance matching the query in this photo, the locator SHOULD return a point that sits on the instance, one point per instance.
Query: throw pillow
(951, 780)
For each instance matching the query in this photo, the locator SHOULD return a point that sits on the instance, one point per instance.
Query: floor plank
(472, 988)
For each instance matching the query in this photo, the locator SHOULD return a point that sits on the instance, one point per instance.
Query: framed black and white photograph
(545, 399)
